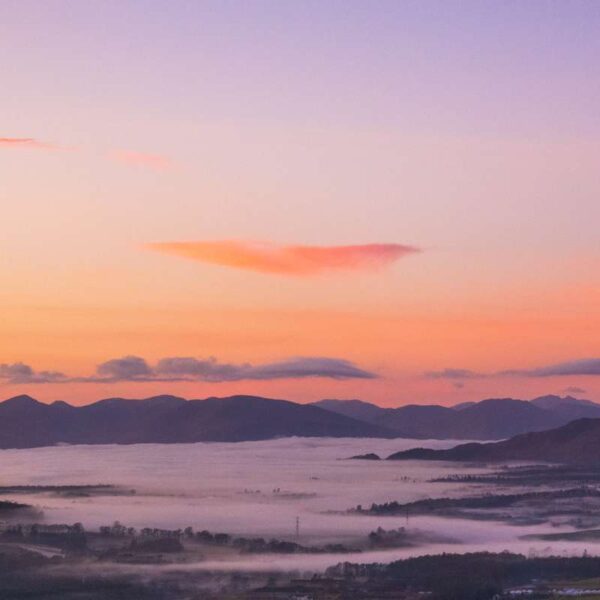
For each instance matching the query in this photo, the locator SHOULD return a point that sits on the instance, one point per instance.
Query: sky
(392, 201)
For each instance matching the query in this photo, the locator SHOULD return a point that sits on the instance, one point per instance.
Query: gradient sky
(409, 188)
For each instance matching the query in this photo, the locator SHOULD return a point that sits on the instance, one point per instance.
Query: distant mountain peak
(552, 401)
(164, 400)
(61, 404)
(356, 409)
(21, 400)
(350, 401)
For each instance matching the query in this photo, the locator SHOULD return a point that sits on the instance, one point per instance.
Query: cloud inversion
(187, 368)
(264, 257)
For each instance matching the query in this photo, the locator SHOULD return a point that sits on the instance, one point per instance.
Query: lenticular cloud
(287, 260)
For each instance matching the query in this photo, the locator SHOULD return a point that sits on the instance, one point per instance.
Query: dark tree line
(429, 505)
(474, 576)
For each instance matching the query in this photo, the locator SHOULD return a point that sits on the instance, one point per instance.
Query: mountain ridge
(26, 422)
(488, 419)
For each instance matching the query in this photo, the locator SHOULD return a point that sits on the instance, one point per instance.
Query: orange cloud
(7, 142)
(264, 257)
(141, 159)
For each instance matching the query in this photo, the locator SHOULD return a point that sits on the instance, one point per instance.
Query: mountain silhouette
(490, 419)
(26, 423)
(577, 442)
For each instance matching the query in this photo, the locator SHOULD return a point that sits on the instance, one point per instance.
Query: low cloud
(580, 367)
(264, 257)
(126, 368)
(10, 142)
(334, 368)
(19, 373)
(186, 368)
(584, 366)
(155, 162)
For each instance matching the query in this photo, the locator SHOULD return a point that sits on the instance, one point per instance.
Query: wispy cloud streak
(32, 143)
(264, 257)
(156, 162)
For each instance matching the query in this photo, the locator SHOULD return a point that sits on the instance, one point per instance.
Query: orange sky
(369, 194)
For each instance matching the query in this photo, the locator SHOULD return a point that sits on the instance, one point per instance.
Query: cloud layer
(580, 367)
(264, 257)
(187, 368)
(584, 366)
(21, 373)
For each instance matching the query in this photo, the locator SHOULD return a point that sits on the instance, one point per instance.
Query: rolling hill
(577, 442)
